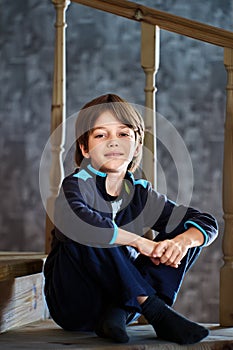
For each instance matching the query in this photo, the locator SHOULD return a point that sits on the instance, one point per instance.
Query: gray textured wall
(104, 55)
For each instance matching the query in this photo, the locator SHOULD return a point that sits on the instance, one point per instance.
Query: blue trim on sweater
(83, 174)
(115, 233)
(141, 182)
(96, 172)
(192, 223)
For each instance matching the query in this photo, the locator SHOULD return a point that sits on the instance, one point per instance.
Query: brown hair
(122, 111)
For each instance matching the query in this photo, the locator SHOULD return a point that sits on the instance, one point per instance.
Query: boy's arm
(170, 219)
(168, 252)
(75, 219)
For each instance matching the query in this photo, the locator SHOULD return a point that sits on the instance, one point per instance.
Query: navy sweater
(84, 211)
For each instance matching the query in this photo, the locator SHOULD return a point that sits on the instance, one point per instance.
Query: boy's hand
(169, 252)
(158, 252)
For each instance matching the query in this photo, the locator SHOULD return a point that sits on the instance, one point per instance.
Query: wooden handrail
(164, 20)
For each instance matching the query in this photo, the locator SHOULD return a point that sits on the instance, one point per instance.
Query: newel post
(58, 114)
(226, 274)
(150, 44)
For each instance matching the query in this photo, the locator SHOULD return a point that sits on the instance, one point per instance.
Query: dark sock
(113, 325)
(169, 325)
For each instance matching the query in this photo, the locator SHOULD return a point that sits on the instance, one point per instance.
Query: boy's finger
(155, 261)
(169, 255)
(160, 249)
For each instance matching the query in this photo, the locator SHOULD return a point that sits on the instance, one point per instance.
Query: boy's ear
(137, 150)
(85, 153)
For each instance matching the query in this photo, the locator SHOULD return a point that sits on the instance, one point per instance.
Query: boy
(101, 270)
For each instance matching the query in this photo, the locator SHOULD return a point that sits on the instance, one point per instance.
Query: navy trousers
(81, 281)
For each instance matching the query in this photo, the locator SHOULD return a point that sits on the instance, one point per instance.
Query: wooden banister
(164, 20)
(226, 274)
(58, 114)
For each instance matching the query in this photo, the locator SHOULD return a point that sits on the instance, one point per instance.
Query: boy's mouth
(113, 154)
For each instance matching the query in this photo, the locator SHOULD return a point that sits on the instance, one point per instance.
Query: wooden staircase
(23, 312)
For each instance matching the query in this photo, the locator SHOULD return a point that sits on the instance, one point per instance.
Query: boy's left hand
(170, 252)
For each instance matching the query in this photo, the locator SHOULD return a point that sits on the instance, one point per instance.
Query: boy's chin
(115, 167)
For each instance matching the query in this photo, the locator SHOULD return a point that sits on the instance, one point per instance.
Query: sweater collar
(128, 175)
(100, 177)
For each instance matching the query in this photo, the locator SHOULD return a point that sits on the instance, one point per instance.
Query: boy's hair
(122, 111)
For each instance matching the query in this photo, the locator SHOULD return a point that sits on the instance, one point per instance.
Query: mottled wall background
(104, 56)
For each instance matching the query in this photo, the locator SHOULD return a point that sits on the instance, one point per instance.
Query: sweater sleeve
(77, 220)
(170, 219)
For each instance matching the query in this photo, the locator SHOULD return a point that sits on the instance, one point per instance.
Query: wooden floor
(47, 335)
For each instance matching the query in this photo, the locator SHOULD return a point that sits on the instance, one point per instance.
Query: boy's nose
(113, 143)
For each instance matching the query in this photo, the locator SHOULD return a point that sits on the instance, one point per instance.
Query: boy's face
(111, 144)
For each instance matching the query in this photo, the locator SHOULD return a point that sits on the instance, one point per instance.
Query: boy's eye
(125, 134)
(98, 136)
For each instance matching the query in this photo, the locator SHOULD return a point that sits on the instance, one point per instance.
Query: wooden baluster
(150, 64)
(226, 274)
(58, 114)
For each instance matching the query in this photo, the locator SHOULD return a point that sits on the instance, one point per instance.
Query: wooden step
(47, 335)
(21, 289)
(17, 264)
